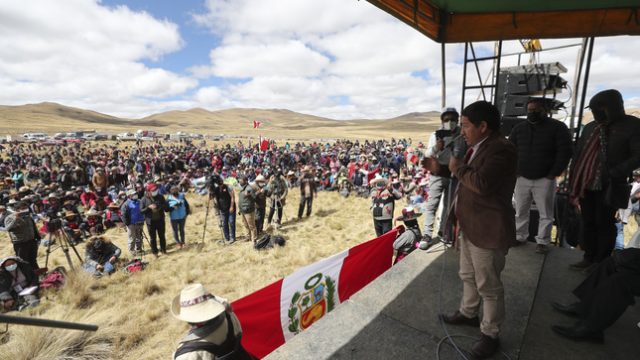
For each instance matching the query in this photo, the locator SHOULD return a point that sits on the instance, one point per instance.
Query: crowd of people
(468, 175)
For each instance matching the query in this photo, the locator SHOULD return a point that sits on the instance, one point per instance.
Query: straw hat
(378, 179)
(92, 212)
(69, 213)
(195, 305)
(260, 178)
(408, 214)
(113, 205)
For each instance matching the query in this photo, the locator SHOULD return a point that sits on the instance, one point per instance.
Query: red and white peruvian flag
(256, 124)
(277, 312)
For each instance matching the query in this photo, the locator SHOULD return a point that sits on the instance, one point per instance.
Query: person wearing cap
(247, 207)
(406, 242)
(133, 219)
(437, 155)
(307, 191)
(383, 199)
(544, 151)
(485, 217)
(178, 211)
(606, 154)
(153, 206)
(100, 256)
(259, 185)
(23, 233)
(215, 330)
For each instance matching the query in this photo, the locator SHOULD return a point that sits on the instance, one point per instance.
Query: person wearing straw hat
(383, 200)
(215, 330)
(406, 242)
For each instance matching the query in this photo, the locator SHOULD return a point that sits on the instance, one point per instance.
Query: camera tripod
(61, 238)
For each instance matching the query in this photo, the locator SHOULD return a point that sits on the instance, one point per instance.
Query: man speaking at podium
(486, 222)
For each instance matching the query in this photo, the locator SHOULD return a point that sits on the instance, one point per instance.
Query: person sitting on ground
(604, 296)
(100, 256)
(406, 242)
(93, 222)
(113, 216)
(17, 282)
(215, 331)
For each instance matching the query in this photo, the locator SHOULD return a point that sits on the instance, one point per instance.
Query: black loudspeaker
(529, 83)
(516, 105)
(507, 124)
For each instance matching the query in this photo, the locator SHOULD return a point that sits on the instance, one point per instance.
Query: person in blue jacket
(134, 220)
(179, 209)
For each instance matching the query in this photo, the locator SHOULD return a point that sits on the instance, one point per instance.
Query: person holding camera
(23, 233)
(224, 201)
(437, 155)
(153, 206)
(179, 209)
(383, 200)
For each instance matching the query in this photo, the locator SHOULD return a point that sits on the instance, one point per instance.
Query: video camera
(442, 133)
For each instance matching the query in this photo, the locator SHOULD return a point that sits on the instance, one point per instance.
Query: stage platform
(395, 317)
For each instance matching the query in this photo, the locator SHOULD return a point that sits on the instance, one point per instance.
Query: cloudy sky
(342, 59)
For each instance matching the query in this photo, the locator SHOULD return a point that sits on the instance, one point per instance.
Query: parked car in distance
(126, 137)
(35, 136)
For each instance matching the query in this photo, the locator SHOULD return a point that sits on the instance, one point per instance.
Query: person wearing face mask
(23, 233)
(383, 200)
(544, 151)
(133, 219)
(179, 209)
(606, 154)
(437, 155)
(153, 206)
(18, 284)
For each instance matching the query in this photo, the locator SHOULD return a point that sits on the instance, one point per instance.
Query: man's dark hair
(481, 111)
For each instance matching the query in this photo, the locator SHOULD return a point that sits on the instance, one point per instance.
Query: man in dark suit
(487, 177)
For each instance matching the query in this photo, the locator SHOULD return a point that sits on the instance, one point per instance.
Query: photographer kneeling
(101, 256)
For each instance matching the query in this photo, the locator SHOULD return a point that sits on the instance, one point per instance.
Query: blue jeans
(228, 223)
(178, 230)
(108, 268)
(619, 236)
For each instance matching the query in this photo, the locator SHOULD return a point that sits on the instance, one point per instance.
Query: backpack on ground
(134, 266)
(54, 279)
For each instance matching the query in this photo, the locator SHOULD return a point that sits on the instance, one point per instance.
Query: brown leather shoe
(458, 319)
(485, 347)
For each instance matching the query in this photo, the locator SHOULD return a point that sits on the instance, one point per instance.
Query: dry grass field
(133, 310)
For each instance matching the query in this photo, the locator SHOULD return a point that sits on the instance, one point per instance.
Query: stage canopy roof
(453, 21)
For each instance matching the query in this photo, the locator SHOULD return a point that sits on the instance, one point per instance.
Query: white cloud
(81, 52)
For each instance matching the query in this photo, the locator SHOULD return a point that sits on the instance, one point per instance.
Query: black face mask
(535, 117)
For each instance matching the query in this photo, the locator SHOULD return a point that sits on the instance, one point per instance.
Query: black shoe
(542, 249)
(485, 347)
(519, 243)
(580, 265)
(458, 319)
(579, 332)
(572, 310)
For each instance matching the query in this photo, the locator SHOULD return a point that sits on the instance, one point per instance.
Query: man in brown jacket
(487, 177)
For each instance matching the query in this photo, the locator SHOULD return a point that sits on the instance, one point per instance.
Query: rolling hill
(276, 123)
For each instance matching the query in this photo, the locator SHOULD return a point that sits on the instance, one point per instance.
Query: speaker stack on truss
(517, 84)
